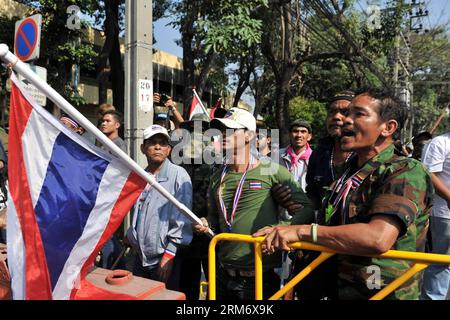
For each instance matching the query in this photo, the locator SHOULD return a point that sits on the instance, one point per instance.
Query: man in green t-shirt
(240, 201)
(381, 202)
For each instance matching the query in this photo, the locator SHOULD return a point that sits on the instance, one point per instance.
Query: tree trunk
(117, 74)
(188, 75)
(206, 66)
(246, 68)
(111, 51)
(239, 92)
(187, 36)
(282, 104)
(103, 90)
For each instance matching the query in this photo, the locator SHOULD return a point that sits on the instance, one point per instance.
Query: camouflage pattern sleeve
(399, 187)
(200, 185)
(404, 191)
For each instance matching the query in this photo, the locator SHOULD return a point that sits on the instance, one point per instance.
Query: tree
(262, 87)
(320, 80)
(312, 111)
(60, 46)
(112, 12)
(285, 48)
(111, 15)
(209, 28)
(246, 67)
(7, 37)
(430, 69)
(348, 32)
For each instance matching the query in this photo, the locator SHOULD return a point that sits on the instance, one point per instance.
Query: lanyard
(343, 187)
(331, 163)
(237, 196)
(341, 190)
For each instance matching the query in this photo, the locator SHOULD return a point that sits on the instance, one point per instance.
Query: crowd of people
(356, 192)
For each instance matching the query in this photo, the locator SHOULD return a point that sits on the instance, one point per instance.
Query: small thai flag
(255, 185)
(356, 181)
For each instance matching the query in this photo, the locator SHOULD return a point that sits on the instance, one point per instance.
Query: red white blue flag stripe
(255, 185)
(67, 197)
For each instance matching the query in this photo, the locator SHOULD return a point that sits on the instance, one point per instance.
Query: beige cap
(155, 129)
(236, 118)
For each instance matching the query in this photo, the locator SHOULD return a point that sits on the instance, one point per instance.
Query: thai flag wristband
(169, 255)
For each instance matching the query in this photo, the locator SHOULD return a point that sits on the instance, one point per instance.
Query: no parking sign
(27, 38)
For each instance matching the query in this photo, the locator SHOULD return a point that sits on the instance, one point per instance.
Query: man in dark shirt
(325, 165)
(328, 159)
(110, 125)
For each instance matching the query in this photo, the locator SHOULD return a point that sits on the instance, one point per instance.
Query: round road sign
(26, 39)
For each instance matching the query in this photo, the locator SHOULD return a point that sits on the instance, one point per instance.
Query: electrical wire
(323, 40)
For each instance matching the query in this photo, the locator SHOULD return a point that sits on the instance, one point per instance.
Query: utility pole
(138, 72)
(400, 63)
(416, 13)
(395, 57)
(138, 68)
(405, 86)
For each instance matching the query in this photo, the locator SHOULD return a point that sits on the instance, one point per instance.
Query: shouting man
(381, 202)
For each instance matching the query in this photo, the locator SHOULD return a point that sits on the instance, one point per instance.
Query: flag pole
(200, 101)
(21, 68)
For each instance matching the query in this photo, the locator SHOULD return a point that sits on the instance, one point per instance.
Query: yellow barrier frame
(422, 261)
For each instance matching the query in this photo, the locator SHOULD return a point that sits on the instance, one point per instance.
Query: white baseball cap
(236, 118)
(155, 129)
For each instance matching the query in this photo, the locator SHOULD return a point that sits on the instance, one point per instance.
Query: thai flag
(196, 106)
(67, 198)
(255, 185)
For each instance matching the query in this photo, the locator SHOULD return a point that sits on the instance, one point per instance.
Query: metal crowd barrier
(422, 261)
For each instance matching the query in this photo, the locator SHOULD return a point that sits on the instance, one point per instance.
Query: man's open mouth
(348, 133)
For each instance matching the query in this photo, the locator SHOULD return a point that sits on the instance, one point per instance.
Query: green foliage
(159, 8)
(61, 47)
(222, 26)
(230, 25)
(425, 111)
(214, 35)
(81, 54)
(73, 97)
(270, 121)
(430, 63)
(312, 111)
(322, 79)
(443, 127)
(379, 41)
(99, 12)
(430, 67)
(7, 26)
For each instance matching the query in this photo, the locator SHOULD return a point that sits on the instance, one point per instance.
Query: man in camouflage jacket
(382, 202)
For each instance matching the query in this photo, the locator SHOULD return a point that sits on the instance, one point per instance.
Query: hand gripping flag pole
(20, 67)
